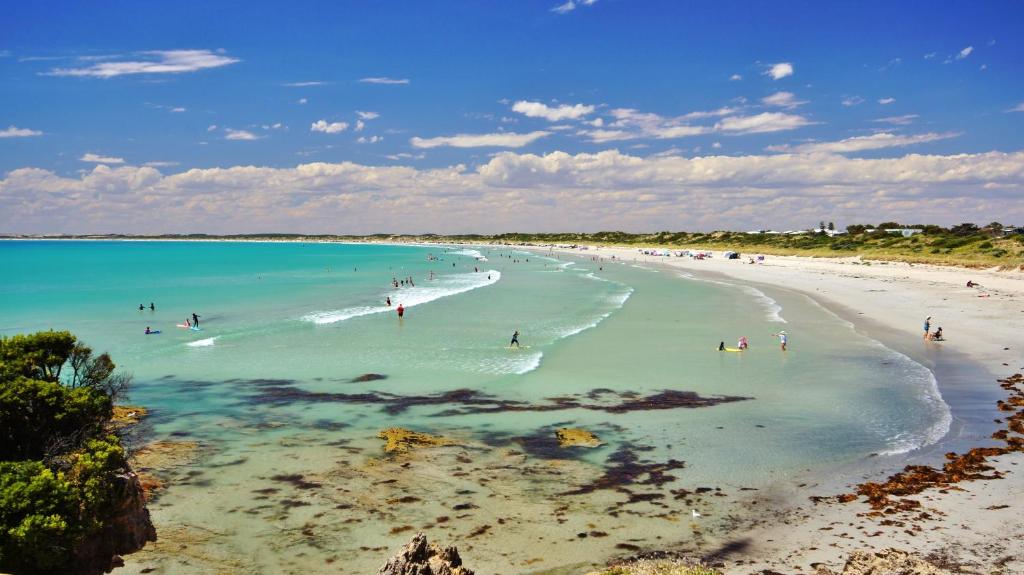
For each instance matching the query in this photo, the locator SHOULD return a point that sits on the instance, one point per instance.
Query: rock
(126, 415)
(418, 557)
(127, 530)
(888, 562)
(573, 437)
(368, 377)
(401, 440)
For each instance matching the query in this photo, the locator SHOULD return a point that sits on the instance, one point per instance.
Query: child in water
(743, 342)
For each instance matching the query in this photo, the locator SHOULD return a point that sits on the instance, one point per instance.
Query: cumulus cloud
(903, 120)
(735, 78)
(497, 140)
(1017, 108)
(886, 101)
(964, 53)
(552, 114)
(301, 101)
(367, 115)
(369, 139)
(239, 135)
(782, 100)
(16, 132)
(384, 80)
(513, 191)
(861, 143)
(850, 101)
(151, 62)
(97, 159)
(779, 71)
(359, 126)
(328, 127)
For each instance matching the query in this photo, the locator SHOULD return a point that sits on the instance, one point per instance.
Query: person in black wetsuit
(195, 320)
(152, 306)
(515, 339)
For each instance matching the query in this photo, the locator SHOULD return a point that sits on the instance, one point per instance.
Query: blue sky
(451, 117)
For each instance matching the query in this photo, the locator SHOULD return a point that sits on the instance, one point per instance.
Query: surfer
(152, 306)
(401, 311)
(782, 338)
(195, 320)
(515, 339)
(141, 307)
(743, 342)
(721, 346)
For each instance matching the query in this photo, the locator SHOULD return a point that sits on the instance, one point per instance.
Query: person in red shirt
(401, 311)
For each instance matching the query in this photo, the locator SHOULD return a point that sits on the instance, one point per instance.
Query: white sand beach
(977, 523)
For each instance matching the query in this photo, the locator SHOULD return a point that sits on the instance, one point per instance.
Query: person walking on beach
(401, 311)
(515, 339)
(782, 338)
(195, 320)
(927, 326)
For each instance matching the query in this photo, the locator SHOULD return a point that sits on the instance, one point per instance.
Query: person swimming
(148, 330)
(515, 339)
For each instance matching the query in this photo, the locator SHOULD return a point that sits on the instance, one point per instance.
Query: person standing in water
(927, 326)
(152, 306)
(195, 320)
(782, 339)
(401, 311)
(742, 344)
(515, 339)
(141, 307)
(388, 300)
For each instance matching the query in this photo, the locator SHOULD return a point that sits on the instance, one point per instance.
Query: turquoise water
(266, 390)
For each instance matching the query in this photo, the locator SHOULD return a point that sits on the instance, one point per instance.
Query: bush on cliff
(61, 475)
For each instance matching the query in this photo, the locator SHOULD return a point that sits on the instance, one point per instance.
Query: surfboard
(732, 349)
(194, 328)
(153, 332)
(182, 325)
(520, 347)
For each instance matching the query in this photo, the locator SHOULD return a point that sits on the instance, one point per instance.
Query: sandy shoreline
(978, 526)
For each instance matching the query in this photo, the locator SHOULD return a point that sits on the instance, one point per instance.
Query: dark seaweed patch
(296, 480)
(627, 469)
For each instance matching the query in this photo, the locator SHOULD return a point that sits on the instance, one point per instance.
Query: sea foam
(444, 286)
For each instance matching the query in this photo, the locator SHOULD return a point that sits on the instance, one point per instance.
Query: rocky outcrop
(401, 440)
(127, 530)
(368, 377)
(418, 557)
(573, 437)
(888, 562)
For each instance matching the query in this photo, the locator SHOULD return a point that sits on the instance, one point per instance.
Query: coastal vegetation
(966, 244)
(64, 477)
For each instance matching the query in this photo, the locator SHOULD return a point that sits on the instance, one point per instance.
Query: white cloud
(16, 132)
(275, 126)
(328, 127)
(211, 127)
(512, 191)
(178, 109)
(384, 80)
(157, 62)
(367, 115)
(782, 100)
(930, 55)
(716, 145)
(552, 114)
(761, 123)
(301, 101)
(359, 126)
(886, 101)
(569, 6)
(97, 159)
(898, 120)
(850, 101)
(498, 140)
(861, 143)
(735, 78)
(305, 84)
(1017, 108)
(161, 164)
(239, 135)
(779, 71)
(369, 139)
(965, 53)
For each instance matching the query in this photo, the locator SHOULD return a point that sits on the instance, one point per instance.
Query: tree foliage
(61, 474)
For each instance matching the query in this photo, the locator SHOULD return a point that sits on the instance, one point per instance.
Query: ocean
(300, 363)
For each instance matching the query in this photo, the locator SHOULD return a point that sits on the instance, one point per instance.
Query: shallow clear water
(266, 390)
